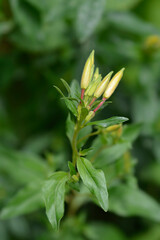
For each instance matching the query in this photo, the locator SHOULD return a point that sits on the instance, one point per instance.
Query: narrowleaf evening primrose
(81, 170)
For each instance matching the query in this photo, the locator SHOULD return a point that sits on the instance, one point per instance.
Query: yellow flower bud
(94, 83)
(113, 128)
(90, 115)
(102, 86)
(113, 84)
(87, 71)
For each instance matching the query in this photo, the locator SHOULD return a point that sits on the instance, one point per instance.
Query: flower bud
(94, 83)
(90, 115)
(113, 128)
(102, 86)
(87, 71)
(113, 84)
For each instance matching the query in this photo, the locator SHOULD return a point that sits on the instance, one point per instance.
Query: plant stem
(74, 143)
(89, 135)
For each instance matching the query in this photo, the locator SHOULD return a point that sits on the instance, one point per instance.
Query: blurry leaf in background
(88, 17)
(117, 5)
(22, 167)
(40, 25)
(151, 173)
(102, 231)
(25, 201)
(131, 201)
(131, 23)
(152, 233)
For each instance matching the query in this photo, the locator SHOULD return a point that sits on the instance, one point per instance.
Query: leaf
(94, 180)
(40, 25)
(6, 27)
(85, 151)
(69, 128)
(25, 201)
(32, 167)
(84, 113)
(151, 173)
(131, 23)
(59, 90)
(103, 154)
(84, 132)
(88, 16)
(116, 5)
(75, 89)
(130, 201)
(54, 193)
(108, 122)
(100, 230)
(66, 85)
(72, 169)
(131, 132)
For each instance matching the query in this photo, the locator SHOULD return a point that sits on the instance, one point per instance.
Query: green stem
(89, 135)
(74, 144)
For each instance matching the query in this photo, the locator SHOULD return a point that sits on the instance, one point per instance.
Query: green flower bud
(113, 84)
(87, 71)
(102, 86)
(90, 115)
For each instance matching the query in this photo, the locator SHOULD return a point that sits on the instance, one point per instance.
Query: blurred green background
(42, 41)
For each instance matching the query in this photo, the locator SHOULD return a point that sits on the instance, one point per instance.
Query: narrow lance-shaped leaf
(25, 201)
(54, 193)
(94, 180)
(109, 122)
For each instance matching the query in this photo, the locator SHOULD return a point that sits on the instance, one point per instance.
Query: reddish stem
(82, 93)
(93, 99)
(101, 103)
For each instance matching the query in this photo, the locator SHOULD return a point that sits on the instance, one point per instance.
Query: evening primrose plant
(83, 105)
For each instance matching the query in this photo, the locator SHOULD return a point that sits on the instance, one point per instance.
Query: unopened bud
(87, 71)
(102, 86)
(113, 128)
(90, 115)
(93, 85)
(75, 178)
(113, 84)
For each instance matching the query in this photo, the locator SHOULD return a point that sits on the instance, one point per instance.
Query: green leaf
(116, 5)
(72, 168)
(151, 173)
(40, 25)
(25, 201)
(59, 90)
(69, 128)
(94, 180)
(100, 230)
(66, 85)
(54, 193)
(131, 132)
(88, 16)
(84, 113)
(103, 154)
(32, 167)
(85, 151)
(75, 89)
(108, 122)
(131, 23)
(130, 201)
(71, 105)
(84, 132)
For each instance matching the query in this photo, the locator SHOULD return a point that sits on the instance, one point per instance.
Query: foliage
(41, 42)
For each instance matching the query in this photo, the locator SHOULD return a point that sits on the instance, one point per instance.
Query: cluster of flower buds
(93, 86)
